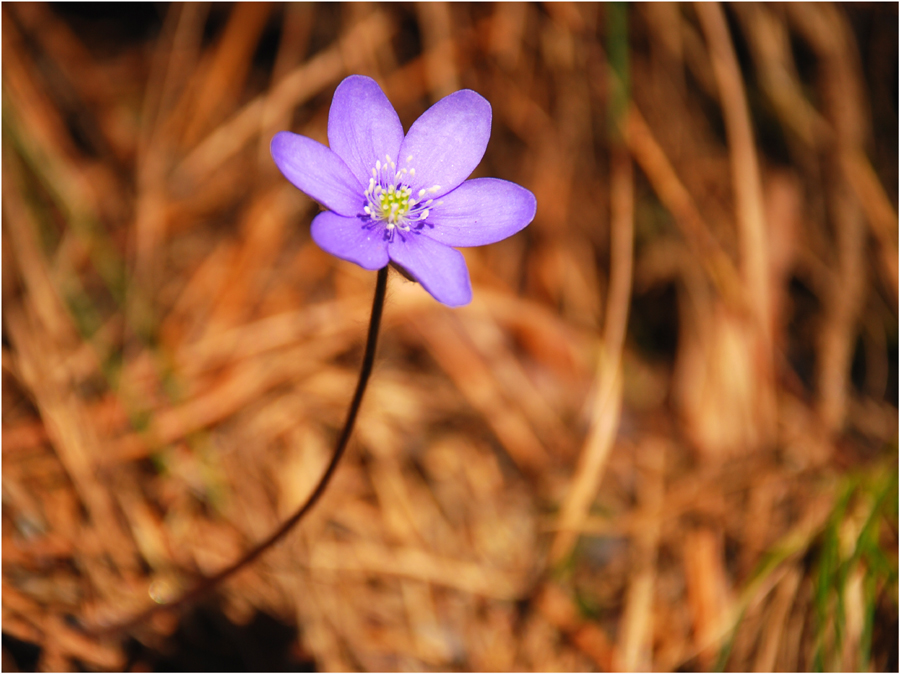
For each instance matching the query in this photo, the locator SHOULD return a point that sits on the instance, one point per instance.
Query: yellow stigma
(390, 201)
(394, 204)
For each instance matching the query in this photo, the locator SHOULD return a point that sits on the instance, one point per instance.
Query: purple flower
(401, 198)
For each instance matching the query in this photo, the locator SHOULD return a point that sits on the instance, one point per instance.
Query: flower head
(404, 198)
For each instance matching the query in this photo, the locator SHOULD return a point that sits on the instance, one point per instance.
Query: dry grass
(663, 435)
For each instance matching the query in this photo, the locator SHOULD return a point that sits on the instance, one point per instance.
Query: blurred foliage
(662, 437)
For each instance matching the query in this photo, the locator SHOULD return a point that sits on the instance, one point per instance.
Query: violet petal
(363, 126)
(441, 270)
(317, 172)
(481, 211)
(447, 142)
(348, 239)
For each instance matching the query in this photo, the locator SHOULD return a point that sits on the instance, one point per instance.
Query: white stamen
(391, 201)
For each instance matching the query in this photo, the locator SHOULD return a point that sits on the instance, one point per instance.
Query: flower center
(394, 204)
(390, 200)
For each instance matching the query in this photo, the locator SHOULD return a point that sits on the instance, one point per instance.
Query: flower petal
(481, 211)
(447, 141)
(348, 239)
(440, 269)
(317, 172)
(363, 126)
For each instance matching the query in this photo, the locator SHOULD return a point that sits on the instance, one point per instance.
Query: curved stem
(208, 584)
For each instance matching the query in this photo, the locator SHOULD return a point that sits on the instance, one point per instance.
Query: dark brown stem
(210, 583)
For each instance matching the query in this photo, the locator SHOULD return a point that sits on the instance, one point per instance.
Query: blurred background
(663, 435)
